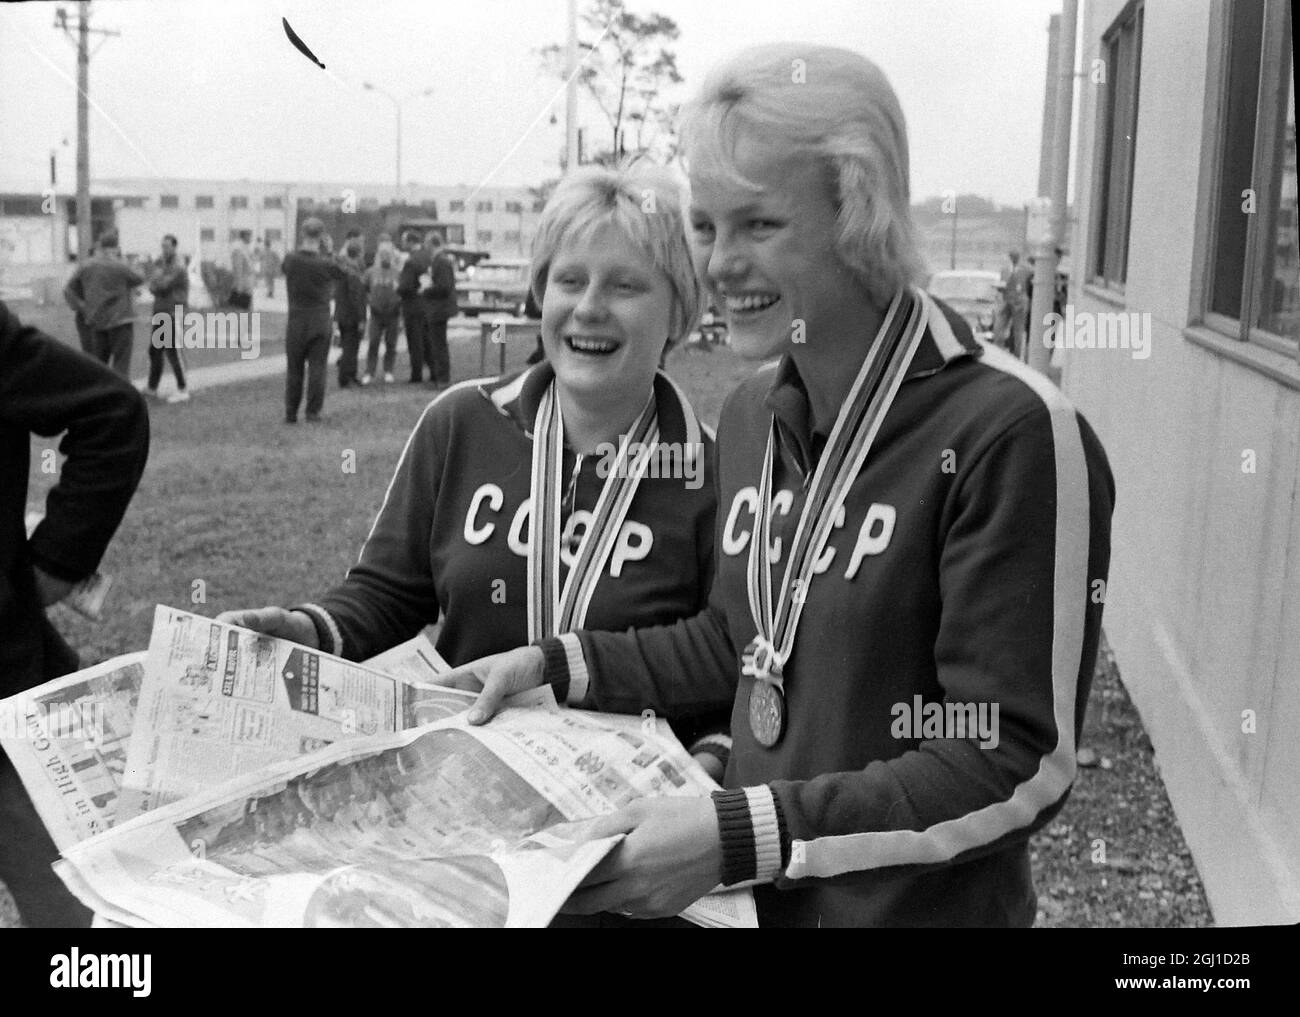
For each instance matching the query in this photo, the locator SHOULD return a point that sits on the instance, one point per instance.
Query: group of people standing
(101, 293)
(412, 289)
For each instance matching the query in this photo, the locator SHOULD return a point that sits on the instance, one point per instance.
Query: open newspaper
(212, 703)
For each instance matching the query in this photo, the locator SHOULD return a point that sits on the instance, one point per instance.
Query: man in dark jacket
(414, 318)
(439, 305)
(350, 311)
(170, 285)
(310, 276)
(48, 388)
(101, 291)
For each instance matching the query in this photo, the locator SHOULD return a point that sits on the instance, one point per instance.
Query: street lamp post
(397, 108)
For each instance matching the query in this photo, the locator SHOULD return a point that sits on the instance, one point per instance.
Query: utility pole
(84, 31)
(571, 142)
(1038, 355)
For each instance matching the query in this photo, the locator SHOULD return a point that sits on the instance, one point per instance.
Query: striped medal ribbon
(551, 612)
(851, 438)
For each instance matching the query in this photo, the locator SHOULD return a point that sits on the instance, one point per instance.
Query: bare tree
(625, 71)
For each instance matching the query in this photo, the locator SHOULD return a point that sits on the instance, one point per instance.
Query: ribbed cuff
(755, 843)
(564, 668)
(328, 636)
(717, 745)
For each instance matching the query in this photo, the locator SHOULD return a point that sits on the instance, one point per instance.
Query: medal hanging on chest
(856, 426)
(550, 611)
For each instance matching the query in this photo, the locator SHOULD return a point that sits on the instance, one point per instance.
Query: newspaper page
(219, 701)
(68, 741)
(415, 661)
(445, 825)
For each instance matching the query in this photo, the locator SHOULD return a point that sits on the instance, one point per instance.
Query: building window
(511, 236)
(169, 201)
(239, 201)
(207, 235)
(1121, 49)
(515, 207)
(484, 206)
(273, 201)
(539, 204)
(485, 236)
(1254, 269)
(133, 202)
(274, 236)
(456, 205)
(203, 201)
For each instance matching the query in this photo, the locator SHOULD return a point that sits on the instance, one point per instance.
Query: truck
(394, 219)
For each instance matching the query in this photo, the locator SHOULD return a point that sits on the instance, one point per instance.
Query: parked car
(972, 293)
(497, 285)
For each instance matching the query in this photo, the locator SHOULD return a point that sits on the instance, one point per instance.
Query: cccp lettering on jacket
(633, 543)
(873, 534)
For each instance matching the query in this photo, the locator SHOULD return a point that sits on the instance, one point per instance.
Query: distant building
(1187, 236)
(206, 215)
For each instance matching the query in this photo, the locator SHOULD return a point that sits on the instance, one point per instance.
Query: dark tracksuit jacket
(102, 290)
(47, 388)
(454, 523)
(964, 572)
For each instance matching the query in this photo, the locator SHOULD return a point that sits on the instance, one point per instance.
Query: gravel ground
(1114, 857)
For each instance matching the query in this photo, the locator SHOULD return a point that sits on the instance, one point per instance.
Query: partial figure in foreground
(47, 388)
(913, 523)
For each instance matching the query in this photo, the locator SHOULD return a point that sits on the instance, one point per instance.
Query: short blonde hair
(838, 107)
(642, 200)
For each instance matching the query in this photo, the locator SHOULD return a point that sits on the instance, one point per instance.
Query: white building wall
(1203, 607)
(141, 228)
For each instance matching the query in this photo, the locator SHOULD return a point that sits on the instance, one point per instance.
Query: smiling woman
(525, 506)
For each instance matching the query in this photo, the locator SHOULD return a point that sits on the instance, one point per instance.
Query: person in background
(47, 389)
(170, 285)
(310, 275)
(271, 267)
(243, 272)
(350, 310)
(413, 313)
(439, 307)
(102, 292)
(1009, 329)
(385, 310)
(84, 333)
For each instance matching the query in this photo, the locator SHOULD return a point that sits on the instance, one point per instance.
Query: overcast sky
(195, 89)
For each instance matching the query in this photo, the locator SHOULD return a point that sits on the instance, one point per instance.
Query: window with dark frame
(1253, 283)
(206, 234)
(456, 205)
(1117, 113)
(239, 201)
(273, 201)
(203, 201)
(169, 201)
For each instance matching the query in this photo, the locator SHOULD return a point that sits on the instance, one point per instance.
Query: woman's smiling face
(606, 315)
(768, 255)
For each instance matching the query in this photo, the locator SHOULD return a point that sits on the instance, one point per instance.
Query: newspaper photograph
(219, 701)
(68, 741)
(442, 826)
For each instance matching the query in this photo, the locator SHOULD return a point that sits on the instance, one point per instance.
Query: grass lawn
(57, 320)
(261, 513)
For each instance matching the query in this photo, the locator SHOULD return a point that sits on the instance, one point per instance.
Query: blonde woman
(914, 527)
